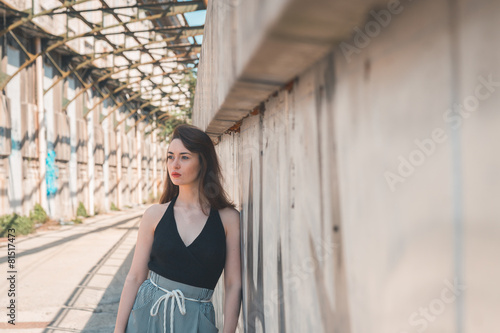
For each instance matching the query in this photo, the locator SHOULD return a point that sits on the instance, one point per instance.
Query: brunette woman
(184, 244)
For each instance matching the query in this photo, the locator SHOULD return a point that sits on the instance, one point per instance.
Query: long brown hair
(197, 141)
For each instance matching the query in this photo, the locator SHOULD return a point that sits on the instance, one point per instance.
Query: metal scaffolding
(174, 54)
(91, 88)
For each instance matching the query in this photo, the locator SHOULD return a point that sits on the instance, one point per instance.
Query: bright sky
(196, 18)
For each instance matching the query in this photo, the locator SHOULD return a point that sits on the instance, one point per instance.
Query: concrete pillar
(148, 166)
(162, 170)
(105, 166)
(155, 165)
(42, 142)
(130, 177)
(118, 166)
(13, 90)
(139, 164)
(51, 168)
(73, 170)
(90, 149)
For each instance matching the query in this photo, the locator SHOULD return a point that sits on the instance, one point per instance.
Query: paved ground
(70, 280)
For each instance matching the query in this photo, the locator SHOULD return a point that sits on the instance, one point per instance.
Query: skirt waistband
(188, 290)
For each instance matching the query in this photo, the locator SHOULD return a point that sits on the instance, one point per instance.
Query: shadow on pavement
(104, 317)
(67, 239)
(80, 310)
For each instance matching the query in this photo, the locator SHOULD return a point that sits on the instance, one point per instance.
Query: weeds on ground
(38, 214)
(81, 210)
(23, 225)
(113, 207)
(77, 220)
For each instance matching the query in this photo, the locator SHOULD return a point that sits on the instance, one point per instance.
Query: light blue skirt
(157, 297)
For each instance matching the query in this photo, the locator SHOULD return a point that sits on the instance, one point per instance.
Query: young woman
(183, 245)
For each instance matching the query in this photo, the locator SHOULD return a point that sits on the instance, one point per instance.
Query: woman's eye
(170, 157)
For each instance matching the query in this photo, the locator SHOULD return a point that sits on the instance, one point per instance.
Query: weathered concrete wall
(367, 188)
(255, 47)
(65, 200)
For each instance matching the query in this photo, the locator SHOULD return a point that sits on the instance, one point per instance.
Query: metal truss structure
(146, 82)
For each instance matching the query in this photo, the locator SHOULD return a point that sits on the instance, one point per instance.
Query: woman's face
(183, 166)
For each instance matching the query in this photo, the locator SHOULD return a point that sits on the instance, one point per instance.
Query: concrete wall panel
(251, 227)
(99, 189)
(479, 53)
(113, 188)
(5, 207)
(231, 174)
(31, 189)
(64, 208)
(367, 187)
(287, 239)
(82, 194)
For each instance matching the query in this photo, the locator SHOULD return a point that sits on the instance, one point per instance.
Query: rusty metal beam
(70, 38)
(91, 85)
(128, 30)
(163, 116)
(97, 31)
(149, 115)
(188, 5)
(98, 90)
(196, 29)
(87, 86)
(78, 67)
(119, 105)
(133, 48)
(92, 26)
(94, 84)
(121, 88)
(134, 97)
(30, 17)
(135, 111)
(105, 5)
(8, 9)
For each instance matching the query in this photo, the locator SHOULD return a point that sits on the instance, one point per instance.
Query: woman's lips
(175, 174)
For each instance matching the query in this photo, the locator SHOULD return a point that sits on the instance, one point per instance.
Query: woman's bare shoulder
(153, 213)
(229, 216)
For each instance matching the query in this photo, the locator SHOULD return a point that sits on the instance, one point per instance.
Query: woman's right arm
(139, 268)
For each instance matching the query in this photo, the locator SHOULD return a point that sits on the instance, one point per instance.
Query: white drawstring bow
(177, 297)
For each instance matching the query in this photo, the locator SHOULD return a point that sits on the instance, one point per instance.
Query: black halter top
(199, 264)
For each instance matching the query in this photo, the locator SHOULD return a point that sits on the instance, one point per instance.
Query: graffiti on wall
(52, 172)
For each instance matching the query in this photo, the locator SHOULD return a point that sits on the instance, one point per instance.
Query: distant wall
(81, 151)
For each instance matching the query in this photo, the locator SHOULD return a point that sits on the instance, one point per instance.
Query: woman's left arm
(232, 272)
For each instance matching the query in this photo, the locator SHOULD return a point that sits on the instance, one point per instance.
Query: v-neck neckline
(177, 229)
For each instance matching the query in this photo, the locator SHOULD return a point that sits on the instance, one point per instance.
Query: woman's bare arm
(139, 269)
(232, 271)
